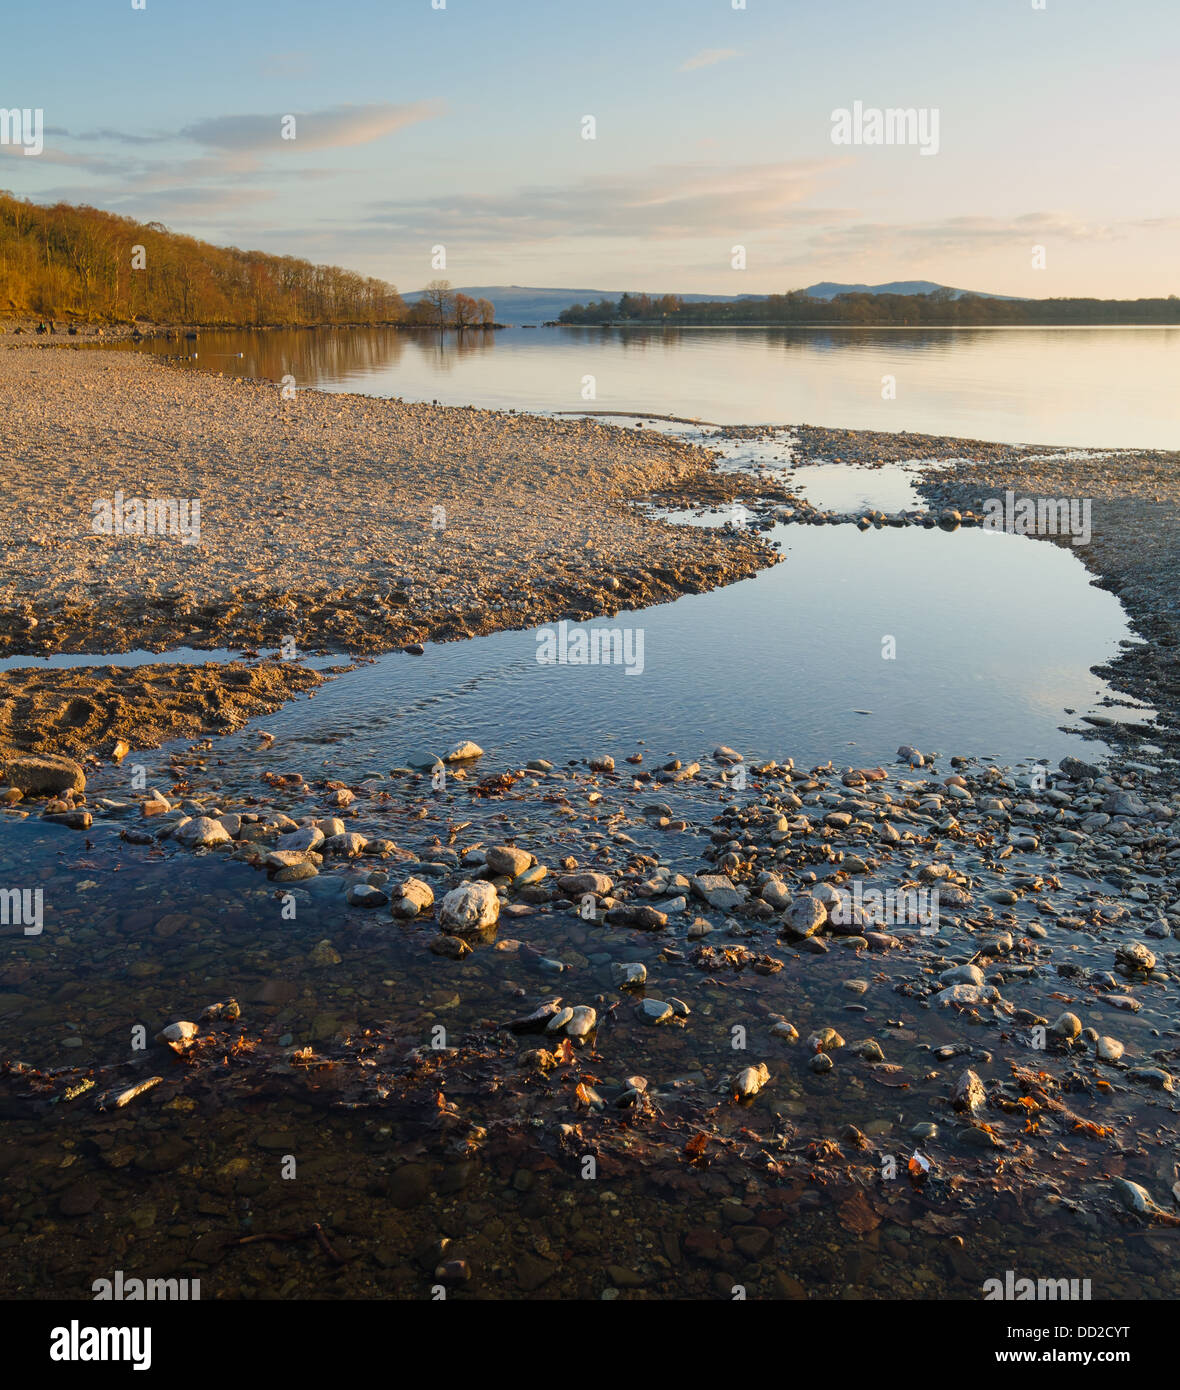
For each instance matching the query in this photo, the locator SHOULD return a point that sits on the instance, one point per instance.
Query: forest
(942, 308)
(85, 265)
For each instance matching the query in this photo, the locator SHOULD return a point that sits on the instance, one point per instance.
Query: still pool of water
(1108, 387)
(993, 636)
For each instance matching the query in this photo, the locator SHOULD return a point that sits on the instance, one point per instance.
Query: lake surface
(1100, 387)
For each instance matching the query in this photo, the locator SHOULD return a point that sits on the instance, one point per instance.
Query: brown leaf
(857, 1216)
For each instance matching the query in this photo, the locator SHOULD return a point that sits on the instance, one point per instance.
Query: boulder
(471, 907)
(42, 773)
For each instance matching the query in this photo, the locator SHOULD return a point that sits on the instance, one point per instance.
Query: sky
(421, 124)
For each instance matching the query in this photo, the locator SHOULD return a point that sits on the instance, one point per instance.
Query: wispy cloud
(667, 201)
(707, 57)
(333, 129)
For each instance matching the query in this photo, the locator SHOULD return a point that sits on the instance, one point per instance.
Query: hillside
(81, 263)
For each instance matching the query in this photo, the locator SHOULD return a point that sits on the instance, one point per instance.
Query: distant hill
(527, 304)
(829, 289)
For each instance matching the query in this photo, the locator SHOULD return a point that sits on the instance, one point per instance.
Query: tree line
(68, 262)
(940, 308)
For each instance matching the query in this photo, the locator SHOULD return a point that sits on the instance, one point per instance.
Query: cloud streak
(707, 57)
(665, 202)
(336, 128)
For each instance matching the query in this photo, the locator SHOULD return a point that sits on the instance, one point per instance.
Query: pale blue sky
(462, 126)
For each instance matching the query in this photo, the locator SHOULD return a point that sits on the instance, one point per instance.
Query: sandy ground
(84, 710)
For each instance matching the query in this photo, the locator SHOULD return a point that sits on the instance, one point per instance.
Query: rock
(750, 1080)
(870, 1050)
(1068, 1026)
(825, 1040)
(602, 764)
(805, 916)
(718, 891)
(202, 832)
(349, 844)
(598, 884)
(413, 897)
(583, 1022)
(962, 975)
(453, 947)
(307, 837)
(323, 953)
(296, 873)
(655, 1011)
(628, 974)
(1152, 1076)
(39, 773)
(462, 752)
(969, 1093)
(557, 1023)
(365, 895)
(1109, 1049)
(1134, 955)
(509, 861)
(329, 827)
(228, 1009)
(177, 1033)
(285, 858)
(777, 894)
(967, 996)
(726, 755)
(537, 1021)
(820, 1062)
(785, 1030)
(1133, 1197)
(471, 907)
(1078, 771)
(1124, 803)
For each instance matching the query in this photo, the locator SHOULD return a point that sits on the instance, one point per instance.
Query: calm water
(1104, 387)
(776, 666)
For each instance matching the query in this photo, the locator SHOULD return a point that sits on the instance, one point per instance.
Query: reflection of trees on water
(325, 354)
(788, 339)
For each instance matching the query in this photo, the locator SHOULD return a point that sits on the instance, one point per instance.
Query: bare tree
(441, 297)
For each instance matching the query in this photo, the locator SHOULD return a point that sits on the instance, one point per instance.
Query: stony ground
(342, 522)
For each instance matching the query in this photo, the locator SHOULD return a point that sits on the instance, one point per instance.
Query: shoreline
(586, 934)
(479, 575)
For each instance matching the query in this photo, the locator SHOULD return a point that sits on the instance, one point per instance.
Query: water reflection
(1100, 387)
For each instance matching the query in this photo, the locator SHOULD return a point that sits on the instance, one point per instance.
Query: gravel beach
(343, 522)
